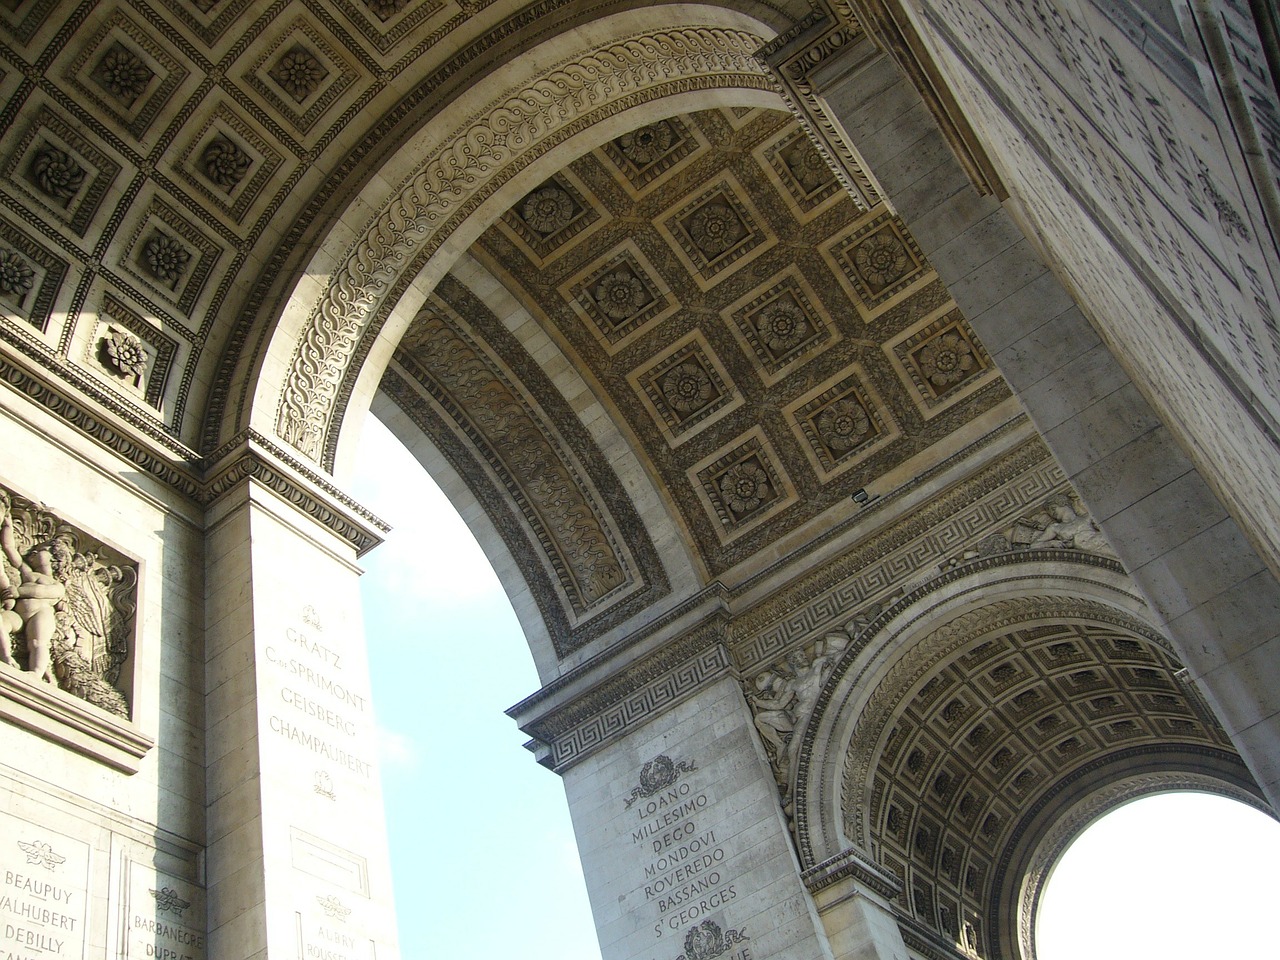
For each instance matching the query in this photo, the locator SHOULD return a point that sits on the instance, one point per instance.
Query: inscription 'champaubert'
(319, 713)
(684, 876)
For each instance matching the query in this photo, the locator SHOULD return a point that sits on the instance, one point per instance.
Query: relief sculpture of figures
(786, 696)
(1073, 530)
(66, 615)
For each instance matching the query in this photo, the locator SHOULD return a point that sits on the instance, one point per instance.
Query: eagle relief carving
(67, 605)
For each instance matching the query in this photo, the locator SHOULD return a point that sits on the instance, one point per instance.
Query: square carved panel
(878, 261)
(781, 324)
(300, 74)
(716, 230)
(842, 423)
(61, 170)
(742, 484)
(227, 162)
(131, 354)
(550, 216)
(126, 73)
(942, 361)
(170, 255)
(686, 389)
(29, 277)
(806, 178)
(646, 154)
(620, 294)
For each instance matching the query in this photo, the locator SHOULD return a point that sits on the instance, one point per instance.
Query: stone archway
(498, 148)
(970, 723)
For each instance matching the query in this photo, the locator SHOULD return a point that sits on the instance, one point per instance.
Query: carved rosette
(468, 163)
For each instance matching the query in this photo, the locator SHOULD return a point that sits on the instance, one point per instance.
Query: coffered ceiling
(770, 346)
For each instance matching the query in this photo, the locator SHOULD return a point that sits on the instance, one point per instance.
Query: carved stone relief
(67, 605)
(706, 295)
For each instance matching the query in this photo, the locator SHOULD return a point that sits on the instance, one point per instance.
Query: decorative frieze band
(571, 732)
(825, 599)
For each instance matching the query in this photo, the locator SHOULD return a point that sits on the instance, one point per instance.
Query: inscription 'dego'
(313, 695)
(684, 872)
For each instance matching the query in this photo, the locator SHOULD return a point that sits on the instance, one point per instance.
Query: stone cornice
(147, 445)
(252, 456)
(115, 425)
(927, 943)
(855, 865)
(572, 730)
(792, 57)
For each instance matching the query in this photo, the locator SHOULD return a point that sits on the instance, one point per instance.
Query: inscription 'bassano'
(684, 874)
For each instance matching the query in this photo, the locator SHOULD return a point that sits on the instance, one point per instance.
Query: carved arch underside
(498, 142)
(560, 509)
(978, 736)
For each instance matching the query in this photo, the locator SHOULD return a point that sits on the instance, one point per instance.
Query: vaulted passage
(869, 409)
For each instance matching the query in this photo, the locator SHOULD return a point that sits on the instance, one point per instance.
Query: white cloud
(397, 751)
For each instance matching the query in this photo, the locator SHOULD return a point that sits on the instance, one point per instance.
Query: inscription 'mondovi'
(683, 869)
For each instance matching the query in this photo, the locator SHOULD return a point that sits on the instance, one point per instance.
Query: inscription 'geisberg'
(319, 706)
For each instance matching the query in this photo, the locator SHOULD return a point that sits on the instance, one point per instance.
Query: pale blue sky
(482, 847)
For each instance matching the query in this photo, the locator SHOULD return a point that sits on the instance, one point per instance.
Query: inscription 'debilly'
(684, 874)
(42, 907)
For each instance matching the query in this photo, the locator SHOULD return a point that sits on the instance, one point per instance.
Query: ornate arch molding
(321, 344)
(895, 651)
(1030, 871)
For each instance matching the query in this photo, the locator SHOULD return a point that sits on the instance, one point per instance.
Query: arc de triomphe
(871, 408)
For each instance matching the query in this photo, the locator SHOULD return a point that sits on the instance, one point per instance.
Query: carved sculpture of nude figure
(41, 588)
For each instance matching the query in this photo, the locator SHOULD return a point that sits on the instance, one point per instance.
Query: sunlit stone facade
(870, 408)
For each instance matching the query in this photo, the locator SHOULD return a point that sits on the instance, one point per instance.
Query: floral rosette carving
(122, 73)
(620, 295)
(744, 487)
(843, 425)
(166, 258)
(648, 144)
(298, 72)
(384, 10)
(946, 359)
(881, 259)
(716, 229)
(56, 173)
(225, 163)
(807, 166)
(782, 326)
(126, 354)
(548, 210)
(16, 275)
(687, 387)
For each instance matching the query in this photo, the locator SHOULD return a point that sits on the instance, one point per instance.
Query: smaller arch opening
(1173, 875)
